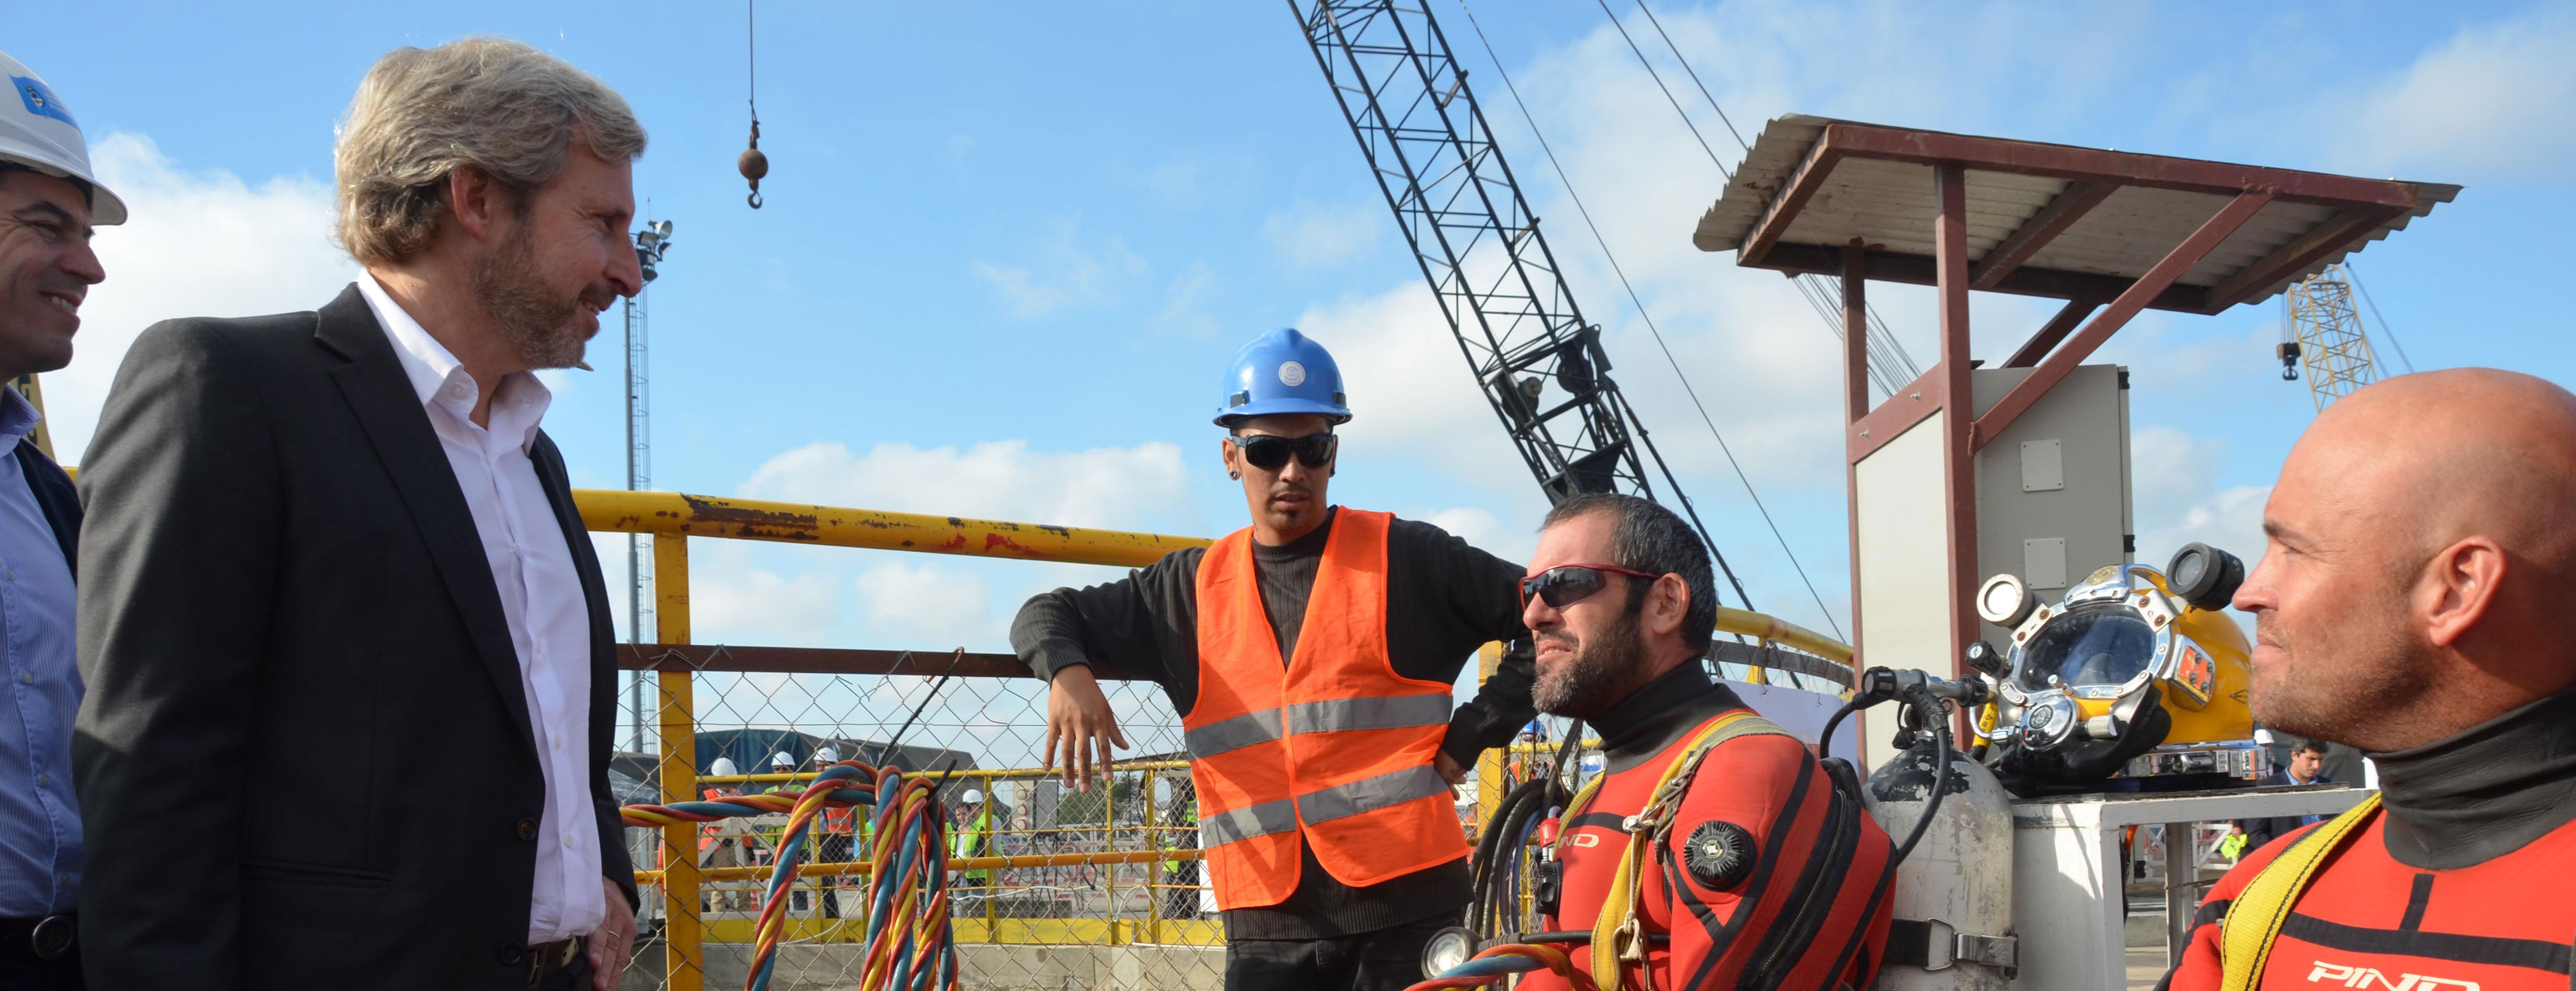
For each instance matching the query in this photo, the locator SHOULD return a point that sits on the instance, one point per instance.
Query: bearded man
(341, 615)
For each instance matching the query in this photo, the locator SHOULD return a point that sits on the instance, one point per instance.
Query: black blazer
(2262, 831)
(305, 758)
(54, 497)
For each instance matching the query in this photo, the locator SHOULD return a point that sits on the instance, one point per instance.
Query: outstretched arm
(1144, 625)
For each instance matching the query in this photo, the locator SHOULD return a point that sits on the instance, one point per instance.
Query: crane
(2322, 331)
(1537, 360)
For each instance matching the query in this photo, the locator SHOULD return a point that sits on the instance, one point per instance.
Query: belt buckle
(51, 937)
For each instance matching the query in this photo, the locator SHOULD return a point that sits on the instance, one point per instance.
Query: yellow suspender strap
(2255, 918)
(1616, 936)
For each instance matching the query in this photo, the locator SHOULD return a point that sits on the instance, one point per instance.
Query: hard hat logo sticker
(1292, 374)
(40, 99)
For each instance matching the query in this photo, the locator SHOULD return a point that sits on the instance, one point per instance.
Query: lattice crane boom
(1538, 362)
(2324, 334)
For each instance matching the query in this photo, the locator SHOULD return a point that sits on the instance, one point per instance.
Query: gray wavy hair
(498, 105)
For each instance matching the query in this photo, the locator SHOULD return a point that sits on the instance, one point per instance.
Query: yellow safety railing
(670, 519)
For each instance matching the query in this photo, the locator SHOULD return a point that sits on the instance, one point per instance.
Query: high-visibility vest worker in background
(1311, 656)
(1763, 872)
(2413, 603)
(724, 842)
(973, 837)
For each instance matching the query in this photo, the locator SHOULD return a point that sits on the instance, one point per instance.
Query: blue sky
(1007, 247)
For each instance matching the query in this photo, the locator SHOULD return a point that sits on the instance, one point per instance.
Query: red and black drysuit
(1800, 903)
(2464, 881)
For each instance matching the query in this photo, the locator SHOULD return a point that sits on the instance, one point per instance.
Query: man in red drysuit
(2413, 602)
(1767, 875)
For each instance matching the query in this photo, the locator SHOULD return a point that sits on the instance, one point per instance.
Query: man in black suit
(2307, 767)
(345, 631)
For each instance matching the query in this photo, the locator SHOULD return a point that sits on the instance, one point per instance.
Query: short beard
(2373, 677)
(536, 323)
(1597, 677)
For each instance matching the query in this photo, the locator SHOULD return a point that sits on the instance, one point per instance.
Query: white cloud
(1066, 272)
(1186, 300)
(1316, 235)
(1136, 488)
(742, 604)
(197, 244)
(2480, 102)
(928, 606)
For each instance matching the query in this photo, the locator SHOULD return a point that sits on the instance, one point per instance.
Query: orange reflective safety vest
(707, 833)
(1330, 748)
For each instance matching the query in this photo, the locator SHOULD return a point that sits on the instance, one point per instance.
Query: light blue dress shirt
(40, 830)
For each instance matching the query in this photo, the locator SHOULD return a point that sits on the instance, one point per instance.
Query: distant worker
(49, 203)
(839, 835)
(2413, 602)
(1181, 877)
(973, 837)
(1310, 656)
(724, 843)
(338, 604)
(2307, 767)
(1765, 873)
(774, 835)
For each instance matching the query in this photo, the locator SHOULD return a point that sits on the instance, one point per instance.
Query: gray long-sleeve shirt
(1444, 600)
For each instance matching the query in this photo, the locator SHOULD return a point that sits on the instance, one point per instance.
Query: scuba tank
(1958, 881)
(1952, 895)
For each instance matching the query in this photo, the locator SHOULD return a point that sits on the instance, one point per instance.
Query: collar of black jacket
(2485, 792)
(1652, 717)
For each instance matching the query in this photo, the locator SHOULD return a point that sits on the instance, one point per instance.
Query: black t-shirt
(1444, 600)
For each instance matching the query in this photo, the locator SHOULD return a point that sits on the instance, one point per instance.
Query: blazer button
(527, 830)
(513, 954)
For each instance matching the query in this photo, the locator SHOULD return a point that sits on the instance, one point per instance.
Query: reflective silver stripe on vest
(1232, 734)
(1397, 712)
(1249, 821)
(1370, 794)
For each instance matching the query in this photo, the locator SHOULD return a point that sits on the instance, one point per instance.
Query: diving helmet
(2134, 674)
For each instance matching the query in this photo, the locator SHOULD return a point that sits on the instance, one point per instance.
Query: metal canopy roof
(2042, 219)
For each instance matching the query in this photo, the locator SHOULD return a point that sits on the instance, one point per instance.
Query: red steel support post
(1958, 406)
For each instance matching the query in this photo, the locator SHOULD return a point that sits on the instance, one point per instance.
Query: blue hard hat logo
(1292, 374)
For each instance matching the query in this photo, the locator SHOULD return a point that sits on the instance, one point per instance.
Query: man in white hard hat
(49, 203)
(724, 843)
(973, 838)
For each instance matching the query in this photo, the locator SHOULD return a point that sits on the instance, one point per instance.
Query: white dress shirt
(541, 596)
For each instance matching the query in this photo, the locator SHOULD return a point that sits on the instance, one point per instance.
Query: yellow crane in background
(2322, 330)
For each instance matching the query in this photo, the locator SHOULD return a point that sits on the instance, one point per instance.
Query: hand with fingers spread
(1080, 724)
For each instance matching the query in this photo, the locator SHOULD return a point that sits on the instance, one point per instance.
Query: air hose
(1500, 962)
(910, 944)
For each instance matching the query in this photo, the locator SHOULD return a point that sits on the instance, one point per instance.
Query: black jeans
(1385, 960)
(21, 970)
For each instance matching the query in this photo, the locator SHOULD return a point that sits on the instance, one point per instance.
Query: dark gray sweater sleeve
(1145, 625)
(1455, 599)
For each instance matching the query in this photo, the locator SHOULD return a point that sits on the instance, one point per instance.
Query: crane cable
(1649, 321)
(2384, 330)
(1885, 351)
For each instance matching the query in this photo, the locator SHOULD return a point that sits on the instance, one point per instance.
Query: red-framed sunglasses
(1567, 584)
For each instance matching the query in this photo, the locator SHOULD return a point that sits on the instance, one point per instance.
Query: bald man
(2415, 601)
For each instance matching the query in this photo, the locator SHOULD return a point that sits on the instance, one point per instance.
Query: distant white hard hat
(782, 760)
(971, 796)
(722, 767)
(37, 131)
(827, 755)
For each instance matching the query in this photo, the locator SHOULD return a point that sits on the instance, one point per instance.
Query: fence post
(1489, 766)
(1154, 891)
(683, 955)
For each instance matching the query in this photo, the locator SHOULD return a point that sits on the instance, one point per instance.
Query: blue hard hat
(1282, 372)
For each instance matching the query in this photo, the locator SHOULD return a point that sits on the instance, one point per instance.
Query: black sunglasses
(1567, 584)
(1270, 453)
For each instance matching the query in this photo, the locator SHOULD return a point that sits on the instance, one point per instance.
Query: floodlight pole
(650, 243)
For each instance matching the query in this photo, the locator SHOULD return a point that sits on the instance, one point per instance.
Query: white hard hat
(37, 131)
(827, 755)
(722, 767)
(971, 796)
(782, 760)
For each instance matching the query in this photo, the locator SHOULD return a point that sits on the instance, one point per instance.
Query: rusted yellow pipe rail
(682, 515)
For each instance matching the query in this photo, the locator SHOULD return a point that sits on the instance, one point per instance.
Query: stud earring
(1235, 475)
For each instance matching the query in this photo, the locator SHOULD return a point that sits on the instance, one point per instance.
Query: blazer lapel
(381, 395)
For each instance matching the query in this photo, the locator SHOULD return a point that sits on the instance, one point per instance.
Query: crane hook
(753, 164)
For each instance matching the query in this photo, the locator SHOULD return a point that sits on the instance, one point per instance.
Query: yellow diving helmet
(2134, 674)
